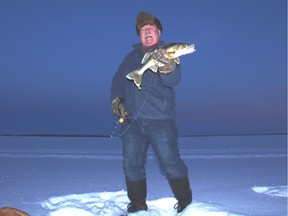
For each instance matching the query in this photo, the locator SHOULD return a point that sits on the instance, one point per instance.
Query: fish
(173, 51)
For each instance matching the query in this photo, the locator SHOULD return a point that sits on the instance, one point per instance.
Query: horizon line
(111, 136)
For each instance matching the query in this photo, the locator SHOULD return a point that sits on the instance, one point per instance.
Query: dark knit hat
(146, 18)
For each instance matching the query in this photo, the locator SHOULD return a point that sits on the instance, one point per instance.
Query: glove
(165, 65)
(118, 108)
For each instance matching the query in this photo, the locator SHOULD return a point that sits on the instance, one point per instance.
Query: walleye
(173, 51)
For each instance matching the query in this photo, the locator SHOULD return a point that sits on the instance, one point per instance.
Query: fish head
(175, 50)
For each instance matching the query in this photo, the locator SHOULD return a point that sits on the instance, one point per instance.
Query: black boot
(182, 192)
(137, 193)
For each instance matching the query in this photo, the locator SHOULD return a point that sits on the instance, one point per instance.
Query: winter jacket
(156, 99)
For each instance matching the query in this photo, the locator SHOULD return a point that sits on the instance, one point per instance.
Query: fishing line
(137, 114)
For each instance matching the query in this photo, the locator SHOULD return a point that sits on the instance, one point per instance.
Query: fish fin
(146, 56)
(177, 60)
(136, 77)
(154, 68)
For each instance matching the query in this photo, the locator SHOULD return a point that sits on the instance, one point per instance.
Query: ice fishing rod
(121, 120)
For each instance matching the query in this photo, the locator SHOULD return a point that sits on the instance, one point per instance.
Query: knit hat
(146, 18)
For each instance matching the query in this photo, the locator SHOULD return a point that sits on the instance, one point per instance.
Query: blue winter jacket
(156, 99)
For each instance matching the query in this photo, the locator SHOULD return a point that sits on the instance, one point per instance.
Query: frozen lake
(241, 175)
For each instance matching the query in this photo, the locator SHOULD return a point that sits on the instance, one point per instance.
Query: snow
(61, 176)
(280, 191)
(114, 204)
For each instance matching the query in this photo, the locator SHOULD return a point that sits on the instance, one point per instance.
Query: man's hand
(166, 65)
(118, 108)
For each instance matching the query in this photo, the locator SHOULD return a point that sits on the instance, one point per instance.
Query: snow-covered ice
(114, 204)
(277, 191)
(61, 176)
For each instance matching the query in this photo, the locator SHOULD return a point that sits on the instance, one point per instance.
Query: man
(150, 118)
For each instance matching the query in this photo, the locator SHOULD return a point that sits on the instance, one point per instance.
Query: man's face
(149, 35)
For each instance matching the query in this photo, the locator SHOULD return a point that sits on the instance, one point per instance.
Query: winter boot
(182, 192)
(137, 193)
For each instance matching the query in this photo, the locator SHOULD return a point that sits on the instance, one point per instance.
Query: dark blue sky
(57, 59)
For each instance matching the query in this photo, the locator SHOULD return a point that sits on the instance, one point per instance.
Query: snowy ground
(240, 175)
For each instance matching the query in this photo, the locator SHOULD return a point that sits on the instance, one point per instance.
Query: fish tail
(136, 77)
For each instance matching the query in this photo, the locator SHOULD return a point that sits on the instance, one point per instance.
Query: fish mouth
(188, 49)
